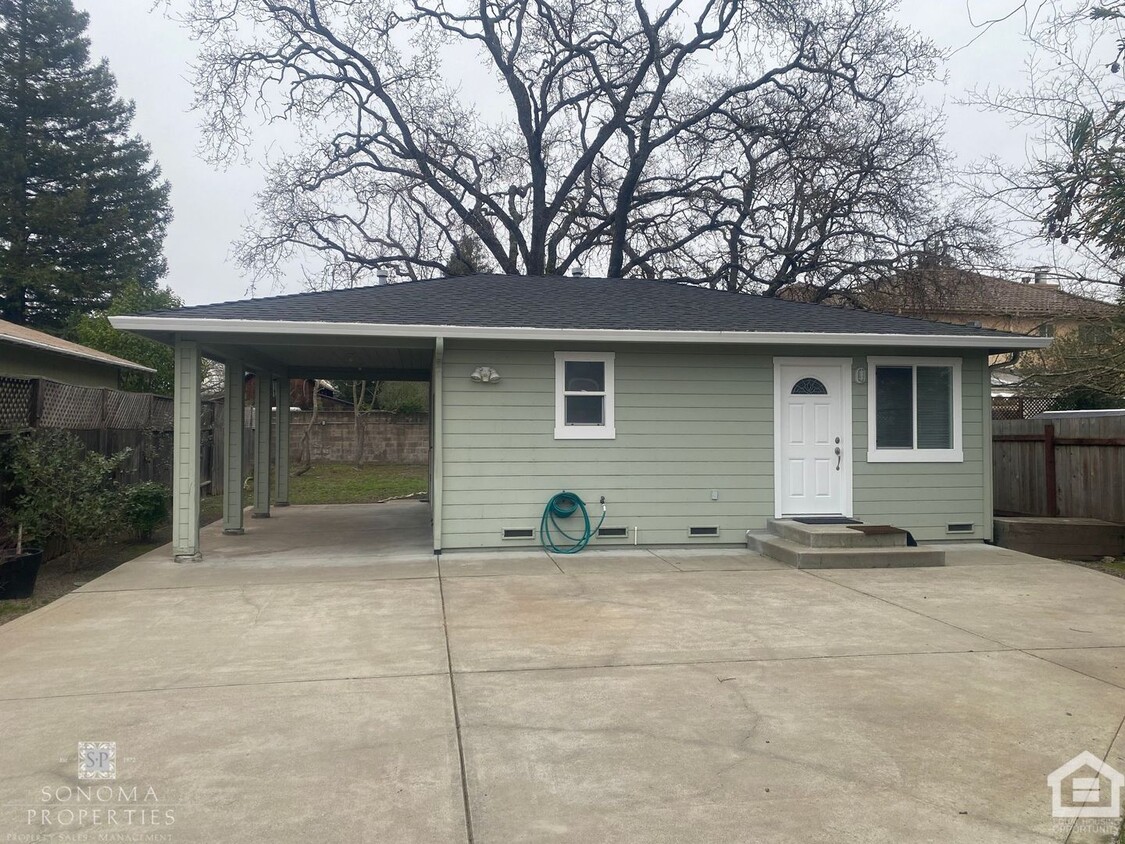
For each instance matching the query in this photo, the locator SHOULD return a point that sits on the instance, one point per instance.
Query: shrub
(144, 508)
(403, 397)
(63, 491)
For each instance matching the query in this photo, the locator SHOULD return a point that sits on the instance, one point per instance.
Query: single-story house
(698, 414)
(27, 353)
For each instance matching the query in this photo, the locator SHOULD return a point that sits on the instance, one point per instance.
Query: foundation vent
(700, 532)
(613, 533)
(959, 527)
(518, 533)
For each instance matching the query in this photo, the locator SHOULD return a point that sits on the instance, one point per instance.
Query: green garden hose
(563, 505)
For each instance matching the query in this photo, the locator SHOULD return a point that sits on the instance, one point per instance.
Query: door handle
(839, 458)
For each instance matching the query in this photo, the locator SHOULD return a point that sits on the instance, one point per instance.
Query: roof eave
(162, 327)
(102, 359)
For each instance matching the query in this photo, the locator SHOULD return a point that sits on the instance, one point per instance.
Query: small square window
(584, 395)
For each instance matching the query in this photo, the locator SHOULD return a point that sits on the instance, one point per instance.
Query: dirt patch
(1106, 564)
(64, 574)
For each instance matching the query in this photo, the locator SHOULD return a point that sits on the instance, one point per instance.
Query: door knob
(839, 458)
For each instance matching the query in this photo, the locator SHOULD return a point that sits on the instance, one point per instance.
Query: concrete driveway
(324, 678)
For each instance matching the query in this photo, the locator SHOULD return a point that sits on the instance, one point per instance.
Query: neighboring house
(301, 391)
(1033, 305)
(27, 353)
(698, 414)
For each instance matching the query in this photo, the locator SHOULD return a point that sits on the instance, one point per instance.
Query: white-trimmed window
(584, 396)
(914, 410)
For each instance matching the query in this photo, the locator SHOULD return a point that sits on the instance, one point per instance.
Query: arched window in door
(809, 387)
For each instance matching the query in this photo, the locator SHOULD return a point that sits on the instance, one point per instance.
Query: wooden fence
(1060, 467)
(108, 422)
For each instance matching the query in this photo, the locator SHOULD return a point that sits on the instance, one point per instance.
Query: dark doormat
(827, 520)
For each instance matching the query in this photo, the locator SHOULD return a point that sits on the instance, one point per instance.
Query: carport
(274, 352)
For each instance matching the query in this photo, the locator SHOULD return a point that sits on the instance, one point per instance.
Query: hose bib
(563, 505)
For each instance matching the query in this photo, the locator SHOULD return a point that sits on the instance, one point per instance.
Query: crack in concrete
(456, 710)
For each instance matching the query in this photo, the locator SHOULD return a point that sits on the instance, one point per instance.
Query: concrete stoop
(838, 547)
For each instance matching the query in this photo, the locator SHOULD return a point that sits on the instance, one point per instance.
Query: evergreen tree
(83, 209)
(466, 258)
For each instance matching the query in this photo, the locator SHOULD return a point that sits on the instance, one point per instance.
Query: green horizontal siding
(689, 421)
(925, 497)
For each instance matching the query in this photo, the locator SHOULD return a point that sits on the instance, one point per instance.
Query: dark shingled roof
(554, 302)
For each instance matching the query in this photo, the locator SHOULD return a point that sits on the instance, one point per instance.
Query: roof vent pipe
(381, 277)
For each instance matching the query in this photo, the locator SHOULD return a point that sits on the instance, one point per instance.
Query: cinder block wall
(387, 437)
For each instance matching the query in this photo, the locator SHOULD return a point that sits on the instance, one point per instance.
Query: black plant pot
(18, 573)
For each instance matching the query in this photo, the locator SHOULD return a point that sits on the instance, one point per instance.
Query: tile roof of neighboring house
(23, 336)
(947, 291)
(566, 302)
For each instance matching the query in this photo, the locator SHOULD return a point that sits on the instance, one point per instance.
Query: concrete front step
(832, 536)
(803, 557)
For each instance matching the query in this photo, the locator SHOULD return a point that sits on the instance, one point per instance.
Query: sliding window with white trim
(914, 410)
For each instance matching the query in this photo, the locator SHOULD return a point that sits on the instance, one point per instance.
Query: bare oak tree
(750, 143)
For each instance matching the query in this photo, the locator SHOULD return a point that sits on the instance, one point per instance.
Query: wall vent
(518, 533)
(959, 527)
(707, 530)
(613, 533)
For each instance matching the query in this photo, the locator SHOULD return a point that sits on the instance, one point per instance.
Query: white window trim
(915, 455)
(563, 431)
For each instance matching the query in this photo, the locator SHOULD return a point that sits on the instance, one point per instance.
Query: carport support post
(234, 405)
(185, 435)
(281, 462)
(262, 409)
(437, 446)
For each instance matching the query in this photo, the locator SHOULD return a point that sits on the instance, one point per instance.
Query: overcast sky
(151, 57)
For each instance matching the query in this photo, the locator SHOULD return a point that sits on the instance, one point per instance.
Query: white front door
(812, 422)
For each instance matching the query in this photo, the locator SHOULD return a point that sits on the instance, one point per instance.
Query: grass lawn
(325, 483)
(342, 483)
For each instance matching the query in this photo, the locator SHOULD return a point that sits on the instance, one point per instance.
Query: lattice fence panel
(16, 395)
(127, 410)
(71, 407)
(1021, 407)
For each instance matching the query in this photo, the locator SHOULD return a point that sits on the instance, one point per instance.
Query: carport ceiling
(301, 356)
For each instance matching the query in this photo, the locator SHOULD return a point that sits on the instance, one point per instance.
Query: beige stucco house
(1033, 305)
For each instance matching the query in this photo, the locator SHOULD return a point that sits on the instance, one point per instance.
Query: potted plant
(19, 567)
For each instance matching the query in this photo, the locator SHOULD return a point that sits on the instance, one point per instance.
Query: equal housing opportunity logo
(1086, 787)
